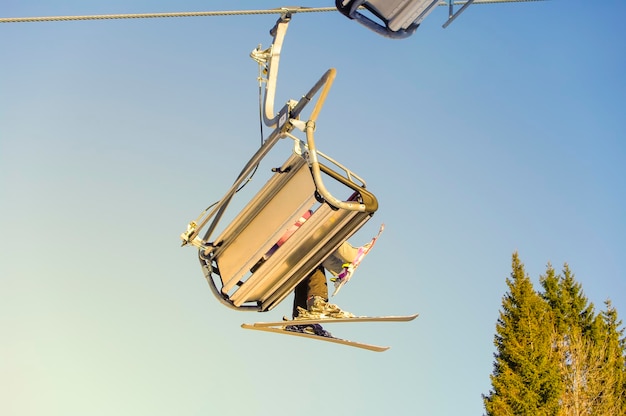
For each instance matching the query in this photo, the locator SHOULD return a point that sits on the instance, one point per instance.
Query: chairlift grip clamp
(285, 17)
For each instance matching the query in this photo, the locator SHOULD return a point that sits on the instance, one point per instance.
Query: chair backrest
(251, 266)
(400, 18)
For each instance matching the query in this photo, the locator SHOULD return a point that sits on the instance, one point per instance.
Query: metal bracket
(452, 15)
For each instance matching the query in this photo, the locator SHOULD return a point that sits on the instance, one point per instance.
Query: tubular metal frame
(331, 224)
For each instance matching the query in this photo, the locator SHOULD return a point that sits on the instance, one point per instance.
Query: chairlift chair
(244, 266)
(396, 19)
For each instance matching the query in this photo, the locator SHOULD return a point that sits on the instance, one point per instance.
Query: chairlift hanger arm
(278, 31)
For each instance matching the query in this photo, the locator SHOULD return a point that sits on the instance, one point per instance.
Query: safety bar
(369, 203)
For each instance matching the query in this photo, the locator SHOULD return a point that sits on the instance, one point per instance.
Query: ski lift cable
(168, 15)
(279, 10)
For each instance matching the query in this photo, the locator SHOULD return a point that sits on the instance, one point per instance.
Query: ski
(280, 330)
(285, 322)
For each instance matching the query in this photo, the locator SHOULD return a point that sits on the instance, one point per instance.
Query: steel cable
(214, 13)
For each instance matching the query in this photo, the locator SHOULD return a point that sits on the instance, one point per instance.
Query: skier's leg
(313, 285)
(347, 252)
(311, 299)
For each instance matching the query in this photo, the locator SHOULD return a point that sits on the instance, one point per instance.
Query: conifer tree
(576, 332)
(590, 349)
(612, 381)
(567, 301)
(526, 378)
(555, 355)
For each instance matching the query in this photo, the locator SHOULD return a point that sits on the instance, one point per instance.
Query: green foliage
(612, 380)
(566, 300)
(554, 354)
(525, 376)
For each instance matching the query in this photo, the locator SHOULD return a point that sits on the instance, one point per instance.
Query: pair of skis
(281, 328)
(290, 327)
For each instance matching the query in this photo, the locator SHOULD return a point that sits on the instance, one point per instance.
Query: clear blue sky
(503, 132)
